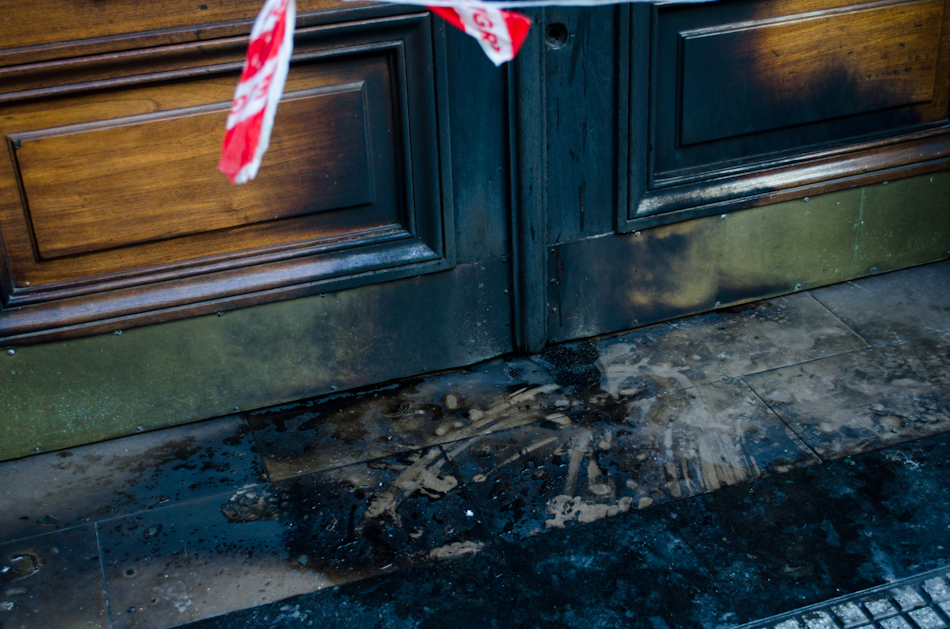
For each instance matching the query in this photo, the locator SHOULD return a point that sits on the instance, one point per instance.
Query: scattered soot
(573, 366)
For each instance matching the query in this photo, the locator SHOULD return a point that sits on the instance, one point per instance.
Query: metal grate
(918, 602)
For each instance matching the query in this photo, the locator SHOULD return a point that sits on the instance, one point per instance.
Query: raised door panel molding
(112, 211)
(132, 181)
(758, 101)
(38, 30)
(807, 69)
(51, 21)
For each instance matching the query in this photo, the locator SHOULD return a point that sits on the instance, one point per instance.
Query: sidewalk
(707, 472)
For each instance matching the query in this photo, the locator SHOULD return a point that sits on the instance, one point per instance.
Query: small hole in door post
(555, 36)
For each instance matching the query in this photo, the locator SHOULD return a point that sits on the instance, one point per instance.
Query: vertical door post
(529, 227)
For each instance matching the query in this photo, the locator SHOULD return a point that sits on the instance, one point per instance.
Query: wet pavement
(707, 472)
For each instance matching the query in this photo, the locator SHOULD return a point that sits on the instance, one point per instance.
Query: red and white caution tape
(500, 33)
(262, 81)
(251, 119)
(523, 4)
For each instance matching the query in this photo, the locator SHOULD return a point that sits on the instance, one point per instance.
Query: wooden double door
(420, 209)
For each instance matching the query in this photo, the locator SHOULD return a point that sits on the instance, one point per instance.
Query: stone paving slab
(864, 400)
(715, 346)
(894, 306)
(53, 581)
(353, 427)
(716, 560)
(609, 455)
(506, 393)
(168, 566)
(62, 489)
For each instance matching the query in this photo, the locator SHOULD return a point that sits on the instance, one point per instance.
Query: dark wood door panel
(124, 183)
(733, 93)
(740, 79)
(754, 102)
(755, 128)
(54, 21)
(111, 204)
(138, 197)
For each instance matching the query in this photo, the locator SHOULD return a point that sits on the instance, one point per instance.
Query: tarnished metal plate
(63, 394)
(613, 283)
